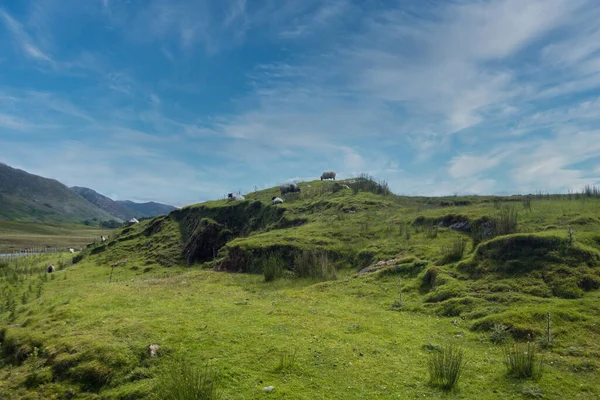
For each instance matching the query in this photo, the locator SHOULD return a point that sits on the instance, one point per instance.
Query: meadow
(338, 294)
(27, 235)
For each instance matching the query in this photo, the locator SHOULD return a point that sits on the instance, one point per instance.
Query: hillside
(112, 207)
(30, 198)
(149, 209)
(336, 293)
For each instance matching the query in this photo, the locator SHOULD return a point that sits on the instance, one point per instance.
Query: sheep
(71, 250)
(102, 239)
(289, 188)
(328, 175)
(50, 268)
(276, 200)
(235, 196)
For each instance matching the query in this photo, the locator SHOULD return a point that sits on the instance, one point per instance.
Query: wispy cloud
(23, 39)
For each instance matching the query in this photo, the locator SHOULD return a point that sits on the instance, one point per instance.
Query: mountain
(123, 209)
(112, 207)
(27, 197)
(149, 209)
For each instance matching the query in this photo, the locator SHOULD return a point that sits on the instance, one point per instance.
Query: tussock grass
(181, 379)
(523, 361)
(446, 366)
(287, 360)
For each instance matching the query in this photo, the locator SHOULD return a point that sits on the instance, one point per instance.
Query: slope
(346, 293)
(114, 208)
(32, 198)
(149, 209)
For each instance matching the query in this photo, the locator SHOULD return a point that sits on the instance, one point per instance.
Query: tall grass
(523, 362)
(367, 183)
(287, 359)
(446, 366)
(179, 379)
(314, 264)
(507, 221)
(455, 252)
(272, 267)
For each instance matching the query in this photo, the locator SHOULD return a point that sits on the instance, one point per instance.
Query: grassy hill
(337, 293)
(26, 197)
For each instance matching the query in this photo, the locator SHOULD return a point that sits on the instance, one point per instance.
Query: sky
(183, 101)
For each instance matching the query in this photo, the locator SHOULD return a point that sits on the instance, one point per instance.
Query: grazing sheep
(71, 250)
(102, 239)
(276, 200)
(235, 196)
(289, 188)
(50, 268)
(328, 175)
(152, 349)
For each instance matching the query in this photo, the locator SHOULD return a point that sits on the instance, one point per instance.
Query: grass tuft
(179, 379)
(446, 366)
(523, 362)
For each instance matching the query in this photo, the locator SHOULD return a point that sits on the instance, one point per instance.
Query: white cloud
(22, 38)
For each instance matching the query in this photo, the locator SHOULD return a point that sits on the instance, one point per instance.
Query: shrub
(446, 367)
(181, 380)
(523, 362)
(500, 334)
(272, 268)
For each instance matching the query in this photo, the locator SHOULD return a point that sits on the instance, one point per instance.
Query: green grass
(319, 328)
(446, 366)
(27, 235)
(523, 361)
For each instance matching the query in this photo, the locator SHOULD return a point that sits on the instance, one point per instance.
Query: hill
(30, 198)
(112, 207)
(123, 209)
(149, 209)
(339, 292)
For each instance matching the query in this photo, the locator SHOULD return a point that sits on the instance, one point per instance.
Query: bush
(500, 334)
(523, 362)
(446, 367)
(180, 380)
(272, 268)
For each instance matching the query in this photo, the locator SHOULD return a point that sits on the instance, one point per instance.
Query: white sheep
(328, 175)
(235, 196)
(289, 188)
(71, 250)
(276, 200)
(102, 239)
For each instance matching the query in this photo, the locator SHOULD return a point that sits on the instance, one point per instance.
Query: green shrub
(567, 288)
(523, 362)
(179, 379)
(446, 366)
(500, 334)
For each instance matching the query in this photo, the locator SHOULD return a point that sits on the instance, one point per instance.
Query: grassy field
(26, 235)
(303, 318)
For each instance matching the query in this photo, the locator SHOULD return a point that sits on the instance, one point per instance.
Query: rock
(462, 226)
(152, 349)
(269, 388)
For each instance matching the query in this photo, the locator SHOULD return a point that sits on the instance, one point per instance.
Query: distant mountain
(28, 197)
(150, 209)
(112, 207)
(123, 209)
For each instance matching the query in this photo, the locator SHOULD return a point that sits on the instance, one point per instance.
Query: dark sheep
(50, 269)
(328, 175)
(289, 188)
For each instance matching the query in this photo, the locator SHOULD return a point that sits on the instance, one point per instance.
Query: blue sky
(184, 101)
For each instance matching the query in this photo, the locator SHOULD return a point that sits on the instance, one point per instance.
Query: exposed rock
(378, 265)
(152, 349)
(462, 226)
(269, 388)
